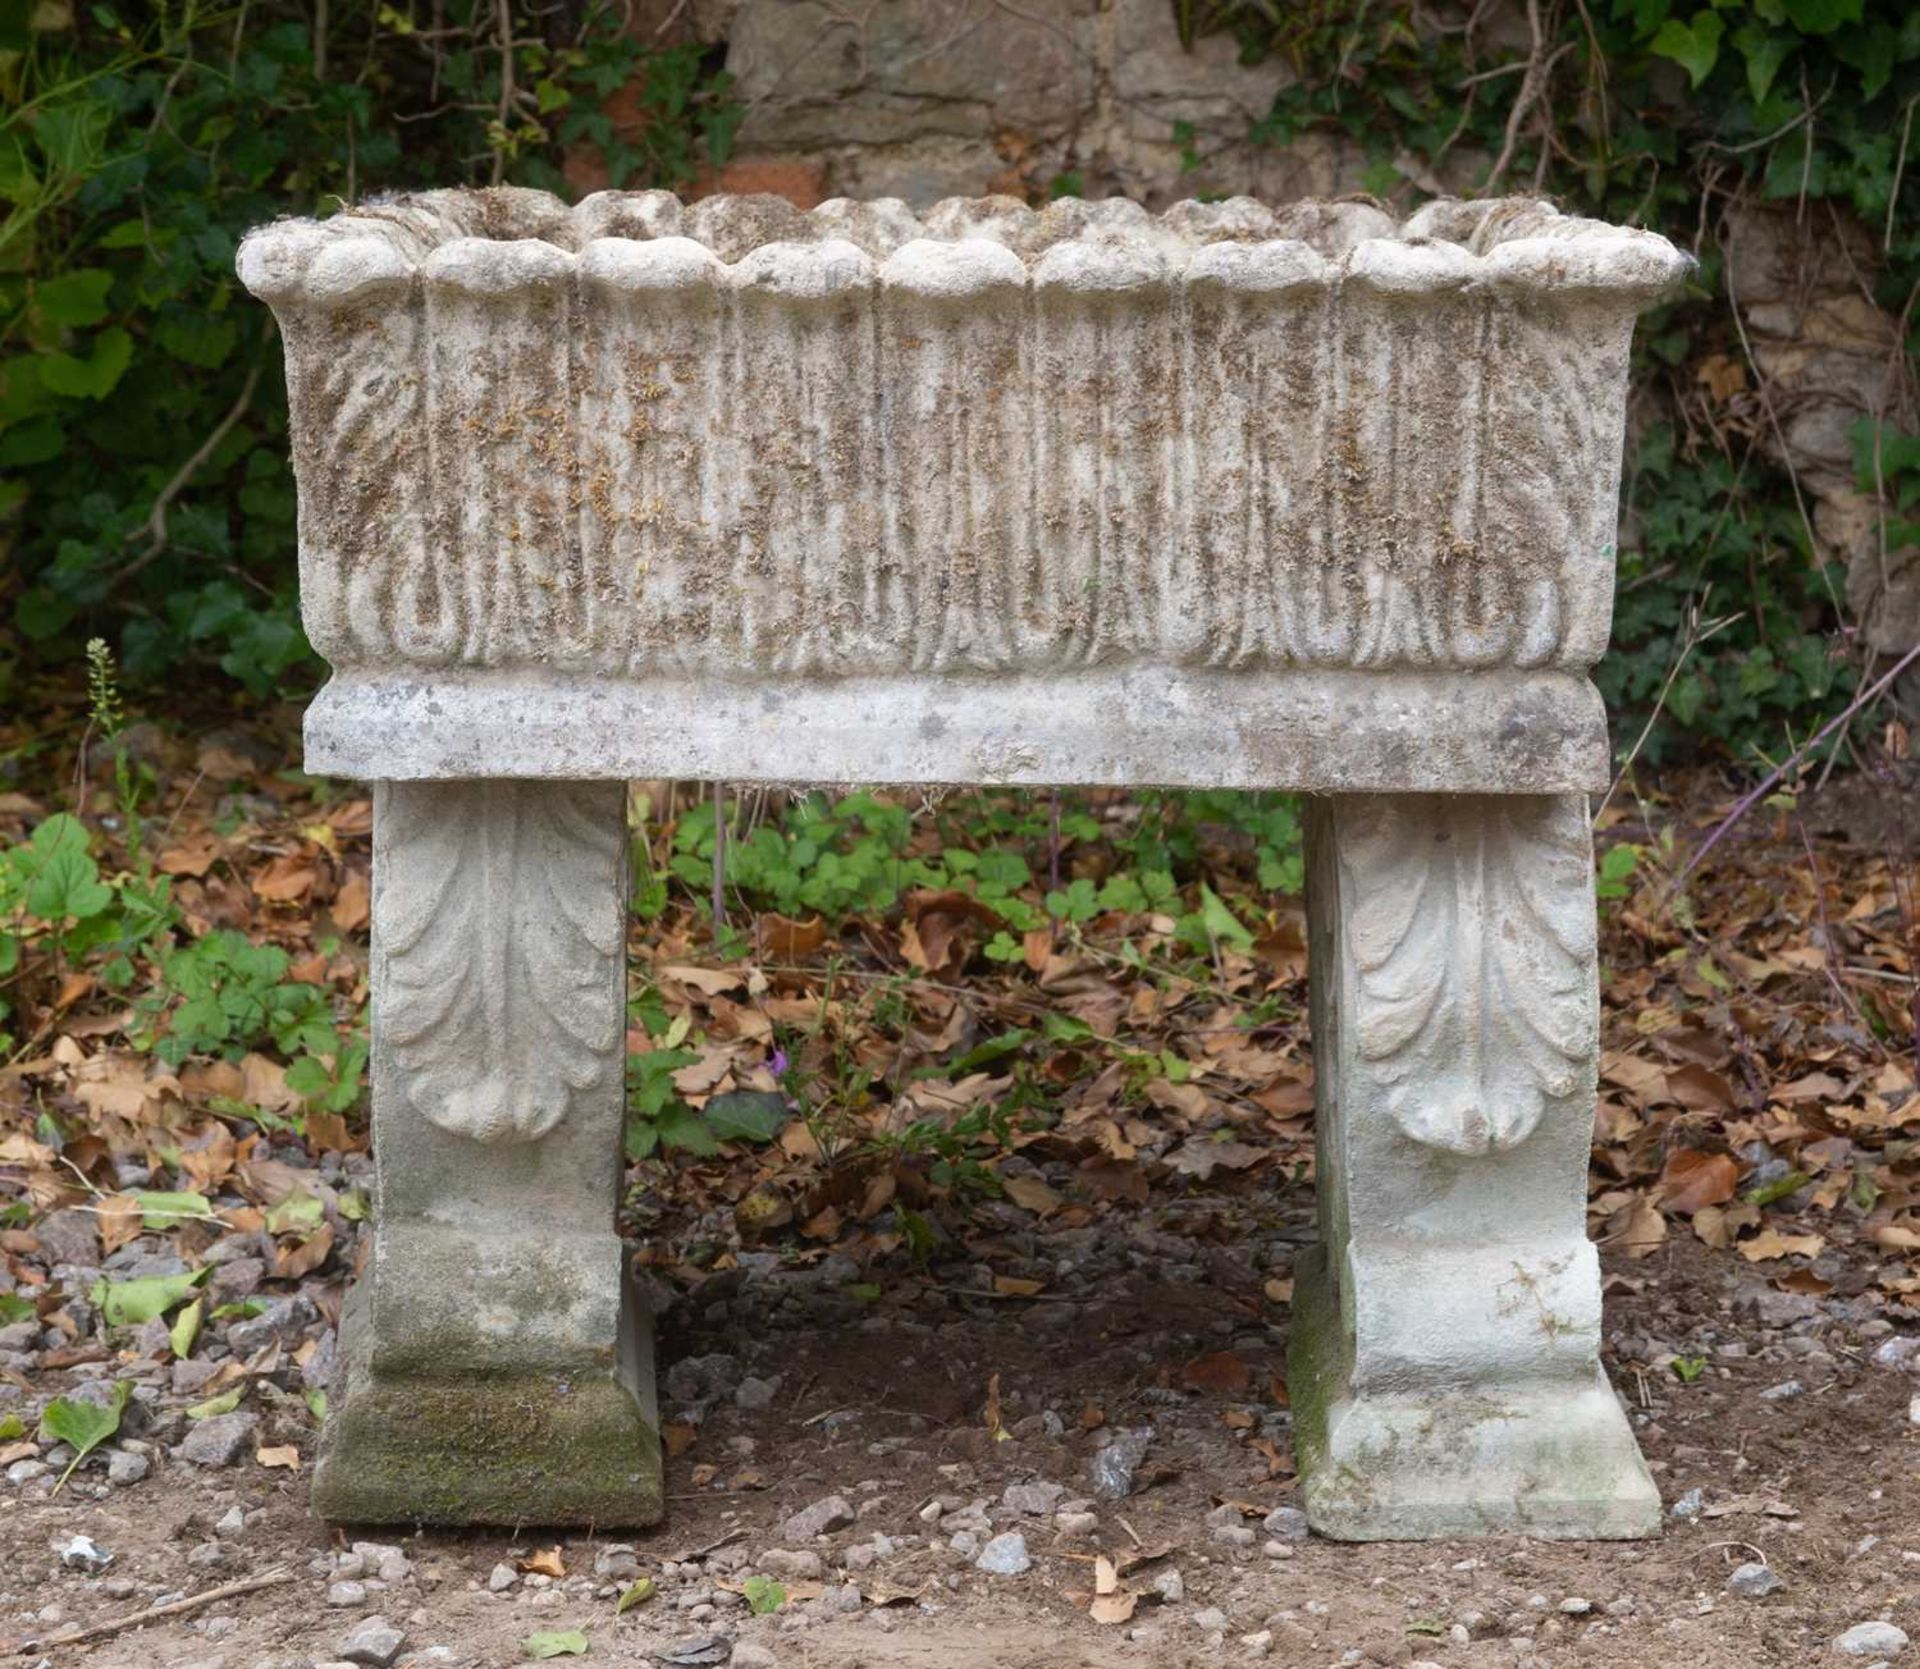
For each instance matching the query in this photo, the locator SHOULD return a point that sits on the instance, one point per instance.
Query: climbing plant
(1663, 113)
(143, 487)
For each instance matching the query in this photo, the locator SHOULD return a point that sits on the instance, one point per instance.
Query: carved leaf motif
(1470, 925)
(497, 913)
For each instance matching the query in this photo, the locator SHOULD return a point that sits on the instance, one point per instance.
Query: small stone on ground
(1005, 1555)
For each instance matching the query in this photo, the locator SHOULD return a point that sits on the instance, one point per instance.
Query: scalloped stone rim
(505, 239)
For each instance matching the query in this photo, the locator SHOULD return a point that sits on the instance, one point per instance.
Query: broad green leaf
(68, 886)
(1220, 923)
(225, 1403)
(164, 1210)
(94, 377)
(33, 442)
(681, 1127)
(317, 1405)
(196, 338)
(11, 1427)
(71, 135)
(555, 1643)
(1764, 52)
(747, 1115)
(764, 1596)
(131, 1303)
(85, 1425)
(298, 1213)
(637, 1594)
(14, 1308)
(1695, 47)
(73, 298)
(185, 1329)
(1822, 17)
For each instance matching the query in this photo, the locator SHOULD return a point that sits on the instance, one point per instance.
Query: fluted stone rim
(508, 240)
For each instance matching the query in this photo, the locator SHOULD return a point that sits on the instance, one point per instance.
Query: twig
(1826, 934)
(193, 1602)
(1698, 632)
(156, 526)
(1772, 779)
(1899, 168)
(506, 88)
(719, 861)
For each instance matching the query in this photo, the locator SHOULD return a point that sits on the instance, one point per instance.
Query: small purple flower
(778, 1064)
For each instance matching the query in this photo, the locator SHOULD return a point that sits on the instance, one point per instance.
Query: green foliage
(1654, 112)
(331, 1079)
(223, 995)
(130, 1303)
(1704, 529)
(143, 484)
(55, 903)
(83, 1425)
(764, 1595)
(570, 1642)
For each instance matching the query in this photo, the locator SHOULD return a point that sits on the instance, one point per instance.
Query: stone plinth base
(1554, 1460)
(517, 1448)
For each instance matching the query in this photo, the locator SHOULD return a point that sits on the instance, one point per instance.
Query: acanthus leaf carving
(498, 913)
(1469, 923)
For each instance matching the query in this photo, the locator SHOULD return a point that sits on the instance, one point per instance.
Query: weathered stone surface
(1445, 1354)
(219, 1440)
(882, 537)
(813, 73)
(498, 1370)
(1231, 496)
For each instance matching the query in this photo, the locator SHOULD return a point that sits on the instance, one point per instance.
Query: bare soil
(884, 1376)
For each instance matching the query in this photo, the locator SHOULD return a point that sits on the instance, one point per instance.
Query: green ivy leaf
(1822, 17)
(225, 1403)
(94, 377)
(1764, 53)
(85, 1425)
(1695, 47)
(132, 1303)
(555, 1643)
(185, 1329)
(165, 1211)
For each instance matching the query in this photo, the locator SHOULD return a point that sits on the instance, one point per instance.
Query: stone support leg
(498, 1368)
(1445, 1362)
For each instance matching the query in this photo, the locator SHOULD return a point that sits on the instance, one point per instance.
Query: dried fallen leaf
(282, 1455)
(1030, 1193)
(1637, 1229)
(291, 1262)
(1770, 1243)
(1220, 1371)
(784, 940)
(545, 1561)
(1693, 1180)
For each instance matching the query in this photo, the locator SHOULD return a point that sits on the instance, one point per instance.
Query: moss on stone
(527, 1450)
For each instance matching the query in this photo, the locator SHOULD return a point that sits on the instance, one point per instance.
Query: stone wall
(924, 99)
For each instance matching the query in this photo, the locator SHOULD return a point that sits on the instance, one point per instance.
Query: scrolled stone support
(499, 1369)
(1445, 1360)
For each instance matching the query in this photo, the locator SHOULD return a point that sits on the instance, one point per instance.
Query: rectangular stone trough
(1229, 496)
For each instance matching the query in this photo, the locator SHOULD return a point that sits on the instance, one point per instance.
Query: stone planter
(1226, 497)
